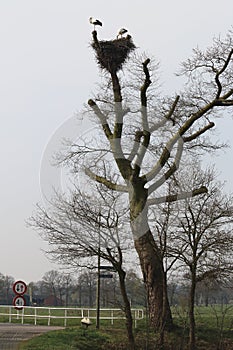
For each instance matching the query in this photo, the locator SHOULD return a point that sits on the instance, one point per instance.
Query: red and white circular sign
(19, 287)
(19, 302)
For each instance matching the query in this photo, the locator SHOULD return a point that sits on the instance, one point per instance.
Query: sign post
(19, 302)
(19, 288)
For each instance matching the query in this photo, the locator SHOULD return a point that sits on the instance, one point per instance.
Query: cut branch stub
(112, 54)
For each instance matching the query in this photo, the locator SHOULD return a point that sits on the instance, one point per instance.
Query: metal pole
(98, 294)
(98, 283)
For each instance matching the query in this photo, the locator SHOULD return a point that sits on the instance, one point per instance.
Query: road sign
(19, 287)
(108, 268)
(106, 275)
(19, 302)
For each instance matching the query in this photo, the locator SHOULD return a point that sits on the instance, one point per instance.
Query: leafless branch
(178, 196)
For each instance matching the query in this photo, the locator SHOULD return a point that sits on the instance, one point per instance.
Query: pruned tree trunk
(153, 274)
(150, 260)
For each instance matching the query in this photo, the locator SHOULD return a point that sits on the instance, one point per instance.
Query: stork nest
(112, 54)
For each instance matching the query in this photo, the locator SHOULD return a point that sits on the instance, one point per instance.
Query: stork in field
(121, 32)
(95, 22)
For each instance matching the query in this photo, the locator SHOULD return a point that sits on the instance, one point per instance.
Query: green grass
(214, 331)
(67, 339)
(215, 316)
(43, 318)
(115, 338)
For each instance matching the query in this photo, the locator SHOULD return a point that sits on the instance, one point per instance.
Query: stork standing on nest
(121, 32)
(95, 22)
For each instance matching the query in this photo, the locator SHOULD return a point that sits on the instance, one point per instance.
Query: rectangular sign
(108, 268)
(106, 275)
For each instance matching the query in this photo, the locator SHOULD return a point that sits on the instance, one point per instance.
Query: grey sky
(47, 72)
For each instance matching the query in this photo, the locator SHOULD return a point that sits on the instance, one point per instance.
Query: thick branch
(137, 138)
(115, 139)
(173, 140)
(101, 117)
(142, 145)
(141, 151)
(217, 80)
(226, 95)
(171, 170)
(118, 125)
(178, 196)
(116, 87)
(146, 84)
(198, 133)
(224, 103)
(223, 100)
(167, 117)
(172, 110)
(105, 182)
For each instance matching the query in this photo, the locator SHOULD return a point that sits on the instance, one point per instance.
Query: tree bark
(192, 326)
(154, 279)
(167, 321)
(150, 260)
(127, 309)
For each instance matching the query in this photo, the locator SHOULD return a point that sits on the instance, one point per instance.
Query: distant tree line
(62, 289)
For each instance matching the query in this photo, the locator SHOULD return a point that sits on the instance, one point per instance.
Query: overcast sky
(47, 73)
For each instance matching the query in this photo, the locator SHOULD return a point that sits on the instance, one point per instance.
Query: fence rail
(31, 314)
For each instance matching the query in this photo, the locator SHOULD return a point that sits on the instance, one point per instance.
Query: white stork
(121, 32)
(95, 22)
(86, 322)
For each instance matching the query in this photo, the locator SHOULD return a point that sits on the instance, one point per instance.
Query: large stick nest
(111, 54)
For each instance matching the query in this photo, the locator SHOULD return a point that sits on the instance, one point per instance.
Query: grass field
(67, 339)
(57, 316)
(214, 331)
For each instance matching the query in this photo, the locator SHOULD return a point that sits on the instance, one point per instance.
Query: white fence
(33, 315)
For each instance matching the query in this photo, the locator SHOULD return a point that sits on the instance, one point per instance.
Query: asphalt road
(12, 334)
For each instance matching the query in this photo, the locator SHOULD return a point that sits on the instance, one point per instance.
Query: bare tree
(67, 283)
(142, 124)
(6, 284)
(81, 227)
(199, 238)
(87, 288)
(51, 281)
